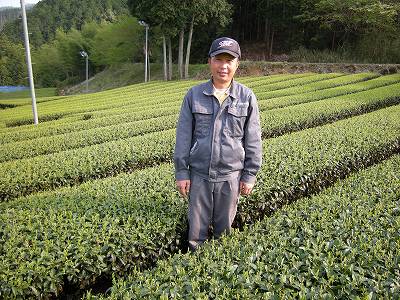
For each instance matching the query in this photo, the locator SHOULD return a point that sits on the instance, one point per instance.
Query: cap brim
(224, 51)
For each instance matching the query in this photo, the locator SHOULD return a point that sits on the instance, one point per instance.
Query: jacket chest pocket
(202, 120)
(236, 117)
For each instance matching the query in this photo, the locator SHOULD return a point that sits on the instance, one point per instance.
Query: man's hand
(246, 188)
(183, 187)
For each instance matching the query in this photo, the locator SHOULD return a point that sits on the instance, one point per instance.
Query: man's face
(223, 67)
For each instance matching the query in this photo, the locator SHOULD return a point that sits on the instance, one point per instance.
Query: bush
(340, 244)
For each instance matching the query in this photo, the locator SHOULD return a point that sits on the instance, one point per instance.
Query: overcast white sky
(16, 3)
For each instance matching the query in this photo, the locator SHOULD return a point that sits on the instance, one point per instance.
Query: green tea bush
(274, 122)
(266, 103)
(103, 227)
(340, 244)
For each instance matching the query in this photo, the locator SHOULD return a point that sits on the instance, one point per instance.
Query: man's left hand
(246, 188)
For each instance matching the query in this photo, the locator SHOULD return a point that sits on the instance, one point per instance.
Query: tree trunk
(266, 39)
(242, 14)
(272, 42)
(169, 59)
(165, 57)
(189, 44)
(247, 32)
(180, 54)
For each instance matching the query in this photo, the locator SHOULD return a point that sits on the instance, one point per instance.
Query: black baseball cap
(224, 45)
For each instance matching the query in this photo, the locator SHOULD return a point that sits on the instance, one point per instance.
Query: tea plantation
(89, 194)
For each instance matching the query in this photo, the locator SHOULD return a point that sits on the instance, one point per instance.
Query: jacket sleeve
(252, 142)
(183, 140)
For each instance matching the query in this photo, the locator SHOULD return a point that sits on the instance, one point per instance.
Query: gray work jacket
(218, 142)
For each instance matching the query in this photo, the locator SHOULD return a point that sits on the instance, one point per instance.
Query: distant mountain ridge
(47, 15)
(9, 13)
(27, 5)
(7, 8)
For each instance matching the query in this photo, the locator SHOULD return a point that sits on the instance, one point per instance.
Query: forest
(8, 14)
(180, 32)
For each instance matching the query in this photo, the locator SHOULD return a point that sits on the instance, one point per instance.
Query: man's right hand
(183, 187)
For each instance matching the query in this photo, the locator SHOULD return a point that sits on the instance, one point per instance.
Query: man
(218, 145)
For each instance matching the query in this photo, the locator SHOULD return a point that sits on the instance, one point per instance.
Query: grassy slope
(127, 73)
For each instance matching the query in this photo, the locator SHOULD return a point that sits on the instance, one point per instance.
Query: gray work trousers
(211, 203)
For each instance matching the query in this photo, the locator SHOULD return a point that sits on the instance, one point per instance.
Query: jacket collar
(209, 89)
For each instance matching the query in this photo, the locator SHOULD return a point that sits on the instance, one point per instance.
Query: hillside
(127, 74)
(46, 16)
(108, 30)
(8, 14)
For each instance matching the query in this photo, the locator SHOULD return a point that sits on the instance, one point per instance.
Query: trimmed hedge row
(310, 78)
(75, 235)
(132, 96)
(154, 99)
(322, 160)
(284, 101)
(254, 81)
(93, 102)
(96, 161)
(28, 100)
(319, 85)
(25, 176)
(120, 115)
(44, 130)
(340, 244)
(126, 97)
(144, 101)
(83, 138)
(275, 122)
(163, 103)
(277, 80)
(108, 226)
(100, 110)
(282, 120)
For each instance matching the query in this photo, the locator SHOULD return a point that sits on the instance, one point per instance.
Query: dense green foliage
(47, 16)
(12, 64)
(320, 30)
(276, 122)
(331, 149)
(78, 234)
(323, 93)
(115, 149)
(59, 234)
(107, 44)
(342, 243)
(153, 106)
(307, 30)
(117, 43)
(8, 14)
(323, 155)
(59, 30)
(174, 16)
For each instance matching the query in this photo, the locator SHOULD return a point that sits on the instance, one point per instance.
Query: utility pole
(86, 56)
(146, 59)
(29, 63)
